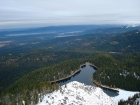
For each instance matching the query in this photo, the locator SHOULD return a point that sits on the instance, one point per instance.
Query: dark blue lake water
(85, 76)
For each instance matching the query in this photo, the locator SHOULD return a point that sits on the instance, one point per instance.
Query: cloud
(25, 13)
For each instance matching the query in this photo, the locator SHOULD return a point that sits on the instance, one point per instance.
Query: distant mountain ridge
(56, 29)
(71, 28)
(114, 29)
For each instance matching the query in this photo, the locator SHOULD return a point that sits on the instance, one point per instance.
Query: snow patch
(124, 73)
(123, 94)
(23, 102)
(108, 77)
(75, 93)
(138, 100)
(136, 76)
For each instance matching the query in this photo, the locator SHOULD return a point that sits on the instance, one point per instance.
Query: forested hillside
(119, 71)
(26, 71)
(16, 65)
(42, 75)
(37, 82)
(122, 43)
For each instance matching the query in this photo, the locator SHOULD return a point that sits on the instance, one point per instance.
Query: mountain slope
(76, 93)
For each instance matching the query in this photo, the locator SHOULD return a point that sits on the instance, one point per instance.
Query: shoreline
(103, 86)
(81, 66)
(92, 65)
(94, 81)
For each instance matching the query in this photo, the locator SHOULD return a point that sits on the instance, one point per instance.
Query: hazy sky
(24, 13)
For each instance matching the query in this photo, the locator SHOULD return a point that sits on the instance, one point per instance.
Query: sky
(34, 13)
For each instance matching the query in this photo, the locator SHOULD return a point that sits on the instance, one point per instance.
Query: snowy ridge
(75, 93)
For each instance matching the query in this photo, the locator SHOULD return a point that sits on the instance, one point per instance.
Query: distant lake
(85, 76)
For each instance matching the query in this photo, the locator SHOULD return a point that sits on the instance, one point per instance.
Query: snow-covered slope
(123, 94)
(75, 93)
